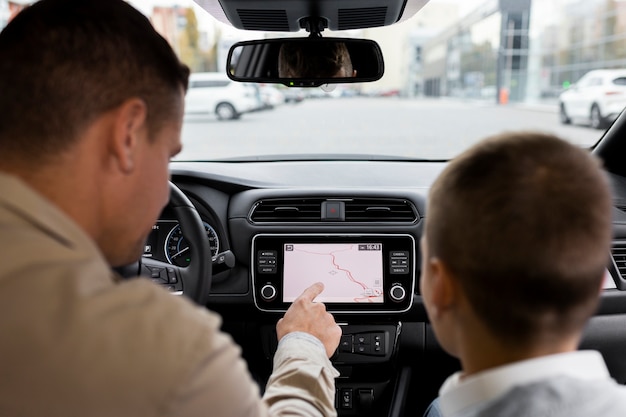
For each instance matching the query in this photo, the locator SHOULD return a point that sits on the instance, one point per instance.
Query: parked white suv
(212, 92)
(598, 97)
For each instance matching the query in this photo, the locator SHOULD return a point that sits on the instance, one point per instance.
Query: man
(91, 108)
(517, 238)
(315, 59)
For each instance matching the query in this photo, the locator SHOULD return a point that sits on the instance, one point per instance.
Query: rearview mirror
(306, 62)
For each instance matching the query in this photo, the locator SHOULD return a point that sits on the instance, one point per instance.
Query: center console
(362, 274)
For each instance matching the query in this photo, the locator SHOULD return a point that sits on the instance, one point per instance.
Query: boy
(516, 242)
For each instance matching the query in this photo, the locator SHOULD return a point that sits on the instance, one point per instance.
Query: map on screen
(350, 272)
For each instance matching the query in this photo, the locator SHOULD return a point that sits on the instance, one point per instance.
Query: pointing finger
(313, 291)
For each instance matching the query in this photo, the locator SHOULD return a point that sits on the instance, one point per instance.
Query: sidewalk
(547, 106)
(544, 106)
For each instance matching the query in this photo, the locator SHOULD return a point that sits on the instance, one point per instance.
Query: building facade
(484, 55)
(523, 50)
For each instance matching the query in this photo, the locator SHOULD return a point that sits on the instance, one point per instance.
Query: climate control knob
(268, 292)
(397, 293)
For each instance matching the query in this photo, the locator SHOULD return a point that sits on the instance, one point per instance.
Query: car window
(594, 82)
(457, 71)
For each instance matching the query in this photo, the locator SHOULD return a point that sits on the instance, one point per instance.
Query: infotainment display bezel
(398, 270)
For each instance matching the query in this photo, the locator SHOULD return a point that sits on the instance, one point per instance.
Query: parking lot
(417, 128)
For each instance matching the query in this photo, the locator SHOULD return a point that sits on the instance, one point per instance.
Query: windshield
(457, 71)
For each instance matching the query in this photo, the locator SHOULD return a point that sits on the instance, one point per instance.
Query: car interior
(267, 221)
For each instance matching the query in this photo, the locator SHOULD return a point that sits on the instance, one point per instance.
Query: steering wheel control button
(268, 292)
(266, 261)
(157, 275)
(397, 293)
(171, 276)
(399, 262)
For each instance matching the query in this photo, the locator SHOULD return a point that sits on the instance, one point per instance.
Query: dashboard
(166, 242)
(356, 226)
(245, 204)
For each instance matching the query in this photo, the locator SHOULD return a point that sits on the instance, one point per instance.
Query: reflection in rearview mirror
(315, 60)
(306, 62)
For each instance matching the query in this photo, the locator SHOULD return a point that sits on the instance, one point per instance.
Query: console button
(268, 292)
(366, 398)
(333, 210)
(397, 292)
(266, 261)
(363, 349)
(363, 343)
(399, 262)
(369, 344)
(363, 339)
(377, 344)
(345, 344)
(345, 401)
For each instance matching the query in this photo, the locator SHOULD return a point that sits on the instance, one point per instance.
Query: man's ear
(129, 125)
(444, 287)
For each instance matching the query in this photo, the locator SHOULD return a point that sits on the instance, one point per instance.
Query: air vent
(287, 210)
(380, 210)
(619, 257)
(361, 18)
(362, 210)
(266, 20)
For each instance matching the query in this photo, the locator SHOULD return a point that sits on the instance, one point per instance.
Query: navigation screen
(350, 272)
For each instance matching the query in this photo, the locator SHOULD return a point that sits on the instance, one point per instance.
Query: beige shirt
(73, 342)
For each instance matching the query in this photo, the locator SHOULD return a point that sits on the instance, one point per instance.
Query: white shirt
(460, 393)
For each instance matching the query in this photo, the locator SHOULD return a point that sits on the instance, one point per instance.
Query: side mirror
(305, 62)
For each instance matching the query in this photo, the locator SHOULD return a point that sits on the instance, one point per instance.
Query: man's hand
(304, 315)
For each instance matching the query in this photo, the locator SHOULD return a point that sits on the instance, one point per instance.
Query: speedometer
(177, 249)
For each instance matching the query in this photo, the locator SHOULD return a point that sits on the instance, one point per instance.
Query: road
(416, 128)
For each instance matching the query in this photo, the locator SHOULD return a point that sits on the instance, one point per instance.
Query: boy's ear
(444, 286)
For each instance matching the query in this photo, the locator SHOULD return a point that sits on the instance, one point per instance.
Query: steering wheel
(193, 281)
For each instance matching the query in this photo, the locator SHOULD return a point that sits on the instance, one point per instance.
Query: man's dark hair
(314, 59)
(65, 62)
(523, 222)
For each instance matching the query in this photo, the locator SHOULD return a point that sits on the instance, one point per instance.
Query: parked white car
(597, 98)
(271, 96)
(212, 92)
